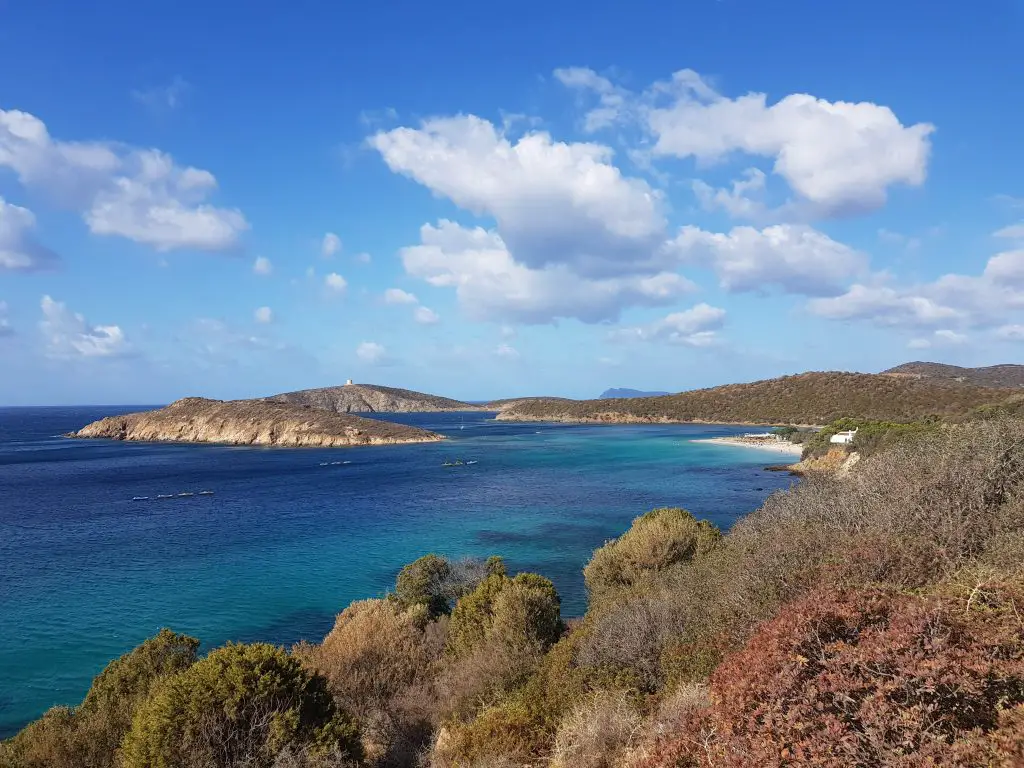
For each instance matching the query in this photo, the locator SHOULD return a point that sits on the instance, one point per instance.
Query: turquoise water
(289, 538)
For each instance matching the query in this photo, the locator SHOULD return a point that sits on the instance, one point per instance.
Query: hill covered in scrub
(251, 422)
(989, 376)
(807, 398)
(371, 398)
(615, 392)
(872, 620)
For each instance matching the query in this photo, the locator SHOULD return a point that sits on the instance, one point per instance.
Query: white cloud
(398, 296)
(739, 201)
(507, 331)
(1010, 332)
(5, 323)
(896, 238)
(795, 257)
(371, 352)
(614, 101)
(555, 203)
(262, 266)
(264, 315)
(507, 352)
(838, 156)
(19, 251)
(330, 245)
(1012, 232)
(69, 336)
(335, 282)
(884, 305)
(952, 300)
(491, 285)
(941, 338)
(363, 258)
(139, 194)
(694, 327)
(425, 316)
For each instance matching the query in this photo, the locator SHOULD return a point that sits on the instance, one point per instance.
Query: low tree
(656, 541)
(243, 705)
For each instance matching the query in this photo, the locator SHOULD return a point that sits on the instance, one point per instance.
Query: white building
(348, 382)
(843, 438)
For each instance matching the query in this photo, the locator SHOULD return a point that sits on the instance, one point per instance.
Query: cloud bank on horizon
(683, 232)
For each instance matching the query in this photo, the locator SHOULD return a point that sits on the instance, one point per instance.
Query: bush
(91, 734)
(656, 541)
(867, 677)
(435, 582)
(241, 705)
(597, 733)
(379, 661)
(521, 611)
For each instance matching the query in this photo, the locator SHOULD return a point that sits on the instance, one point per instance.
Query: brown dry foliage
(867, 678)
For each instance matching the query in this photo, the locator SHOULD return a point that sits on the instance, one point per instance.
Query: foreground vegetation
(809, 398)
(873, 620)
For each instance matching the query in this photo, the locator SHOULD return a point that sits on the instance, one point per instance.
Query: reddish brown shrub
(867, 678)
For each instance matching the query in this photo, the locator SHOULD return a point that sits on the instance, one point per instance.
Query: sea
(102, 543)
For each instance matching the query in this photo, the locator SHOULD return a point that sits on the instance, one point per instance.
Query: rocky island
(371, 398)
(252, 422)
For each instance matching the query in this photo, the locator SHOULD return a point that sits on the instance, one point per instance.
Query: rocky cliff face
(368, 398)
(252, 422)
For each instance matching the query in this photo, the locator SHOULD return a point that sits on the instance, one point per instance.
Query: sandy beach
(775, 446)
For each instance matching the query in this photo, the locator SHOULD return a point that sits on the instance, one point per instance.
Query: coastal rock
(252, 422)
(370, 398)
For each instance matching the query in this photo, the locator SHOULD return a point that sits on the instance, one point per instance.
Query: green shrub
(425, 582)
(91, 734)
(656, 541)
(241, 705)
(519, 611)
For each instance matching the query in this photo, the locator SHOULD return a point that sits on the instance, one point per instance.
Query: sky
(482, 201)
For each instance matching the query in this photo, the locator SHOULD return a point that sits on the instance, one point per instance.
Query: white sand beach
(775, 446)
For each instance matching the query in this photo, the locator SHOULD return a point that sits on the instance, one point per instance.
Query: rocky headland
(252, 422)
(371, 398)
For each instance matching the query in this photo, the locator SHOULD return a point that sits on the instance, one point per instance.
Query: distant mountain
(807, 398)
(1008, 375)
(252, 422)
(371, 398)
(617, 392)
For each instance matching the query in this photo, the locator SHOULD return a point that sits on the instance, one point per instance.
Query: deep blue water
(285, 543)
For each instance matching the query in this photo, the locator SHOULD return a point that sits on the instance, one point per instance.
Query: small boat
(323, 463)
(346, 462)
(140, 498)
(335, 463)
(471, 462)
(186, 493)
(165, 495)
(206, 493)
(456, 463)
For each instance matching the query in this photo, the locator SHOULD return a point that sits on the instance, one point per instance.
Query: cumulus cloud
(398, 296)
(795, 257)
(555, 203)
(426, 316)
(139, 194)
(740, 200)
(491, 285)
(838, 156)
(69, 336)
(262, 266)
(330, 245)
(19, 251)
(961, 300)
(1012, 232)
(335, 283)
(264, 315)
(940, 338)
(371, 353)
(694, 327)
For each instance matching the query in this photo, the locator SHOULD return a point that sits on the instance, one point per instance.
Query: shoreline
(783, 447)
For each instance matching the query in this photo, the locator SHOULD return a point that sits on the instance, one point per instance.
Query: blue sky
(482, 201)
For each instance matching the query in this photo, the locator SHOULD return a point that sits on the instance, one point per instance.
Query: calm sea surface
(291, 536)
